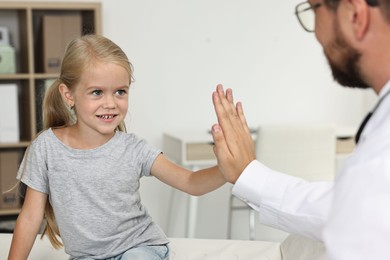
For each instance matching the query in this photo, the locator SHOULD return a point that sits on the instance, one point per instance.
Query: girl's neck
(76, 138)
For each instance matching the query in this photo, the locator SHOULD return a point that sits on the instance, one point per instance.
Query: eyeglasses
(306, 16)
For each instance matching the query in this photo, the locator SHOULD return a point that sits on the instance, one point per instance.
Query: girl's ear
(66, 94)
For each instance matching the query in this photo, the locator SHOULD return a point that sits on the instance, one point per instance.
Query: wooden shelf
(9, 212)
(16, 76)
(14, 145)
(24, 22)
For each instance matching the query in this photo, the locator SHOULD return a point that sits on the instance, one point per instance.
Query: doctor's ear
(67, 95)
(360, 17)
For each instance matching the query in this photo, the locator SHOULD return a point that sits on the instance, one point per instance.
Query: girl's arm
(27, 225)
(194, 183)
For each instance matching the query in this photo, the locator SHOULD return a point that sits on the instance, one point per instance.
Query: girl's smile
(106, 117)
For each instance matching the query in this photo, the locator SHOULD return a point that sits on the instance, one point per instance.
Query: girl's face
(101, 98)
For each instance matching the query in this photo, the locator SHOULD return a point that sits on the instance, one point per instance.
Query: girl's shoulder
(130, 139)
(43, 137)
(126, 136)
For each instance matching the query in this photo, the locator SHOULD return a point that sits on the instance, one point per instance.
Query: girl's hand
(234, 145)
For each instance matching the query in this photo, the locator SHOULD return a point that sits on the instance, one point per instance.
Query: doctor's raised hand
(234, 147)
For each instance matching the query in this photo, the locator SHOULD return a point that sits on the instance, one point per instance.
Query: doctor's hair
(80, 55)
(383, 5)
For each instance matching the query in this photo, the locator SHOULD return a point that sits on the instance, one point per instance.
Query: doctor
(352, 214)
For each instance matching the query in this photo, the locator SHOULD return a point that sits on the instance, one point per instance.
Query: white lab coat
(351, 215)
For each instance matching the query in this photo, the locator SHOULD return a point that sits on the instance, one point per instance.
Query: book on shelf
(9, 113)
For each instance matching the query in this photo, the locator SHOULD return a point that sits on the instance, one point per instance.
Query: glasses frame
(298, 13)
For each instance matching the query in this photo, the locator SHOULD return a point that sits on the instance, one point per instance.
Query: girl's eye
(121, 92)
(96, 92)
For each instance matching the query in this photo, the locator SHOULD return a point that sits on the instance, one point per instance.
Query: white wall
(181, 49)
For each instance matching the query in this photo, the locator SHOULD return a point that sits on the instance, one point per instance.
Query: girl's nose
(109, 102)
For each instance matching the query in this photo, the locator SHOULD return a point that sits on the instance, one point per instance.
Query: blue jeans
(160, 252)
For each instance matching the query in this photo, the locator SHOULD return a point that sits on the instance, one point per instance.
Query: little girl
(82, 172)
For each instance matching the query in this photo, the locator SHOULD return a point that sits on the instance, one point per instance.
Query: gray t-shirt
(95, 193)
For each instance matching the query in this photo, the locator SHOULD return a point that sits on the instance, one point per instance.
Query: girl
(82, 172)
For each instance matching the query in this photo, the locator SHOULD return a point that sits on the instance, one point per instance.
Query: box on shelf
(9, 113)
(9, 165)
(4, 35)
(7, 59)
(57, 32)
(7, 53)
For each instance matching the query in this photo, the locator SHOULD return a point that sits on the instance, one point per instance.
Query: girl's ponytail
(55, 112)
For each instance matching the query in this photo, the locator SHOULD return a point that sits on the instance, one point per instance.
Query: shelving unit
(23, 20)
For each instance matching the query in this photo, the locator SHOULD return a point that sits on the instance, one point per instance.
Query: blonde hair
(80, 54)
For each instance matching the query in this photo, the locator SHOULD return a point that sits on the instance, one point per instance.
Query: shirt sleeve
(33, 169)
(285, 202)
(146, 155)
